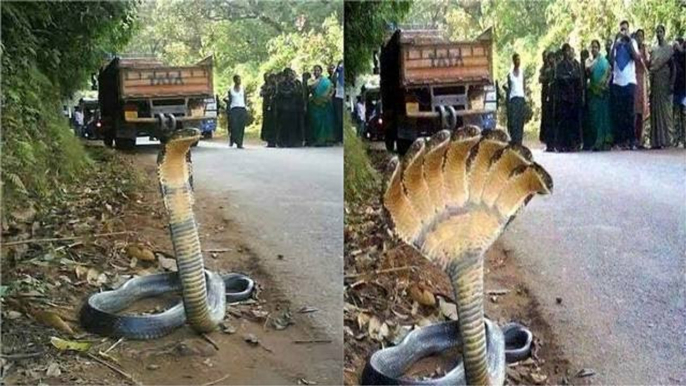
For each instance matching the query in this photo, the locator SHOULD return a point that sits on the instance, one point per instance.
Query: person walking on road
(516, 104)
(238, 113)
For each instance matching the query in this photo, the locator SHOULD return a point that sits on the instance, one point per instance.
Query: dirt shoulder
(262, 341)
(391, 289)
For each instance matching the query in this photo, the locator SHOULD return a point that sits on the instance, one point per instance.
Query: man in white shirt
(623, 59)
(516, 103)
(78, 121)
(360, 114)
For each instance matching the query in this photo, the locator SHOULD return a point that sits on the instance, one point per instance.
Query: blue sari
(599, 104)
(321, 114)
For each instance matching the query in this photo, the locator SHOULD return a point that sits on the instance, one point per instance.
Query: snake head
(454, 196)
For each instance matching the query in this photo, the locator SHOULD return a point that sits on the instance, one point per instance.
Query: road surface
(611, 243)
(290, 202)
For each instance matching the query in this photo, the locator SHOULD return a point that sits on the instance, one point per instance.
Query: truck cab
(429, 83)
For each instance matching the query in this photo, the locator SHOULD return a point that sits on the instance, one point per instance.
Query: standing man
(516, 105)
(623, 57)
(360, 115)
(237, 113)
(78, 122)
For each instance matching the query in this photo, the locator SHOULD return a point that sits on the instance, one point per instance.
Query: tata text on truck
(133, 92)
(429, 83)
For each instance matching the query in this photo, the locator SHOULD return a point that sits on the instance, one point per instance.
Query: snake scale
(204, 293)
(451, 197)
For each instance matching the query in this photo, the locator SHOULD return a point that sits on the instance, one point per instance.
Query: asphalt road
(611, 242)
(290, 203)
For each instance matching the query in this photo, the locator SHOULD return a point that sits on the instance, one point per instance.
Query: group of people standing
(633, 98)
(303, 112)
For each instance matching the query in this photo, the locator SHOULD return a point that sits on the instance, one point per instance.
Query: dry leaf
(80, 271)
(374, 327)
(362, 319)
(449, 310)
(422, 296)
(96, 278)
(51, 319)
(167, 263)
(139, 252)
(53, 370)
(63, 344)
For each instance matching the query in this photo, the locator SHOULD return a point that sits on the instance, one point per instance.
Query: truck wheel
(390, 144)
(108, 140)
(125, 143)
(403, 145)
(207, 135)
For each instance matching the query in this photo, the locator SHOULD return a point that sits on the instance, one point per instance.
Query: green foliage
(49, 50)
(359, 178)
(366, 23)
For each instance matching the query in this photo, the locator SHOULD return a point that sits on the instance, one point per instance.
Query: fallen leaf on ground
(303, 381)
(53, 370)
(449, 310)
(167, 263)
(251, 339)
(13, 315)
(538, 378)
(96, 278)
(139, 252)
(282, 321)
(63, 344)
(307, 309)
(80, 271)
(51, 319)
(362, 319)
(585, 373)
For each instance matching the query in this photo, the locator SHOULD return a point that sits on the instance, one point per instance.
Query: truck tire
(390, 143)
(207, 135)
(125, 143)
(403, 145)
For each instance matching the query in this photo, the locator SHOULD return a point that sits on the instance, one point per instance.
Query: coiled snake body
(451, 197)
(204, 293)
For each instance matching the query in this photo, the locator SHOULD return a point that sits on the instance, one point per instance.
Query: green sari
(321, 114)
(599, 104)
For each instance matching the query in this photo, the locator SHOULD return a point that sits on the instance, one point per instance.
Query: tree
(366, 23)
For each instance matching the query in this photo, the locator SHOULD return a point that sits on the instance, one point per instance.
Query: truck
(134, 92)
(429, 83)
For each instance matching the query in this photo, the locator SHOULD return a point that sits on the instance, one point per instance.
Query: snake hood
(451, 199)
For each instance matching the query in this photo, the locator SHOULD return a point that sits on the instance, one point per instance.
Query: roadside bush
(359, 176)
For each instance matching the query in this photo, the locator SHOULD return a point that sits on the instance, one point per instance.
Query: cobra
(451, 197)
(204, 293)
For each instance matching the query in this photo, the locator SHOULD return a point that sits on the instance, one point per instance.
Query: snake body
(204, 293)
(451, 197)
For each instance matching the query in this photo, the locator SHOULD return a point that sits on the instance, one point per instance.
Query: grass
(359, 176)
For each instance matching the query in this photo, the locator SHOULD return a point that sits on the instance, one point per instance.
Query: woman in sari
(547, 78)
(289, 111)
(320, 109)
(661, 80)
(568, 102)
(268, 124)
(641, 93)
(599, 99)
